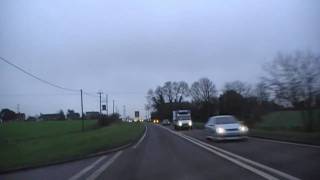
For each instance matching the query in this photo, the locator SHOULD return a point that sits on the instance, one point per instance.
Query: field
(34, 143)
(288, 126)
(287, 120)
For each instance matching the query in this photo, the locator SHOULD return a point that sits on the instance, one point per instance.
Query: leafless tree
(180, 91)
(294, 78)
(170, 92)
(261, 92)
(175, 91)
(242, 88)
(149, 97)
(203, 90)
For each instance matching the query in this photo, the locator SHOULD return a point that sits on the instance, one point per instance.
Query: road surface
(166, 154)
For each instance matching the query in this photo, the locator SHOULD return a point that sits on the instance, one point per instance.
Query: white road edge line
(235, 161)
(96, 174)
(141, 139)
(285, 142)
(219, 150)
(88, 168)
(267, 168)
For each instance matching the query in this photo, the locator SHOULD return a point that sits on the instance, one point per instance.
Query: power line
(34, 76)
(39, 94)
(90, 94)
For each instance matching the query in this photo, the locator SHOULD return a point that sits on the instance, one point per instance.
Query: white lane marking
(235, 161)
(96, 174)
(285, 142)
(88, 168)
(267, 168)
(277, 172)
(141, 139)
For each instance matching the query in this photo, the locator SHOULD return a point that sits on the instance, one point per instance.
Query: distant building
(56, 116)
(92, 115)
(31, 118)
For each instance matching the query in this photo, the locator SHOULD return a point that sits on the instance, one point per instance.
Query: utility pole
(82, 118)
(100, 101)
(107, 104)
(112, 106)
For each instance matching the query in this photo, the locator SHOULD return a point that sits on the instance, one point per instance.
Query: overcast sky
(123, 48)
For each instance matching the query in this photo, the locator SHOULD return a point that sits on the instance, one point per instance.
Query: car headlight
(190, 123)
(179, 123)
(220, 130)
(243, 128)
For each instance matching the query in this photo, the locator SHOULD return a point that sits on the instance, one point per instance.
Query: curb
(87, 156)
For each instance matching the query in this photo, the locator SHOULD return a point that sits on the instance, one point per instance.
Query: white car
(225, 128)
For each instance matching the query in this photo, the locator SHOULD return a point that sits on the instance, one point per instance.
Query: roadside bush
(106, 120)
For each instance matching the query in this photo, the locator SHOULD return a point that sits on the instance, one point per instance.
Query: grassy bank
(33, 143)
(287, 120)
(288, 126)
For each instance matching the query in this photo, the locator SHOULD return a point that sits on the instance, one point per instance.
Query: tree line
(291, 81)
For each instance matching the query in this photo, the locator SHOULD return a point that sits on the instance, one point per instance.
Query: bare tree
(242, 88)
(170, 92)
(175, 92)
(261, 92)
(295, 79)
(149, 97)
(159, 95)
(180, 91)
(203, 90)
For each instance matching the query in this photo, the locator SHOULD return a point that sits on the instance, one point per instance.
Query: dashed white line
(96, 174)
(88, 168)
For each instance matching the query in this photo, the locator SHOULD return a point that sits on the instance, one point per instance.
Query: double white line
(100, 170)
(239, 160)
(103, 167)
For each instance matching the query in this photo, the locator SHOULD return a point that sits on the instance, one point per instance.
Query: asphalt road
(300, 160)
(166, 154)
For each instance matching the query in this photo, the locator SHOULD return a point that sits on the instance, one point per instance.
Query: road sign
(136, 114)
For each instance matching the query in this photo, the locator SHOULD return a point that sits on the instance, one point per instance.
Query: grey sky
(126, 47)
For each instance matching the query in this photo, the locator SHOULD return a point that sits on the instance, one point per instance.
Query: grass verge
(35, 143)
(288, 120)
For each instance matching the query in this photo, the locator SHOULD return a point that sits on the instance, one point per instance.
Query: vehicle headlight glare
(179, 123)
(220, 130)
(243, 128)
(190, 123)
